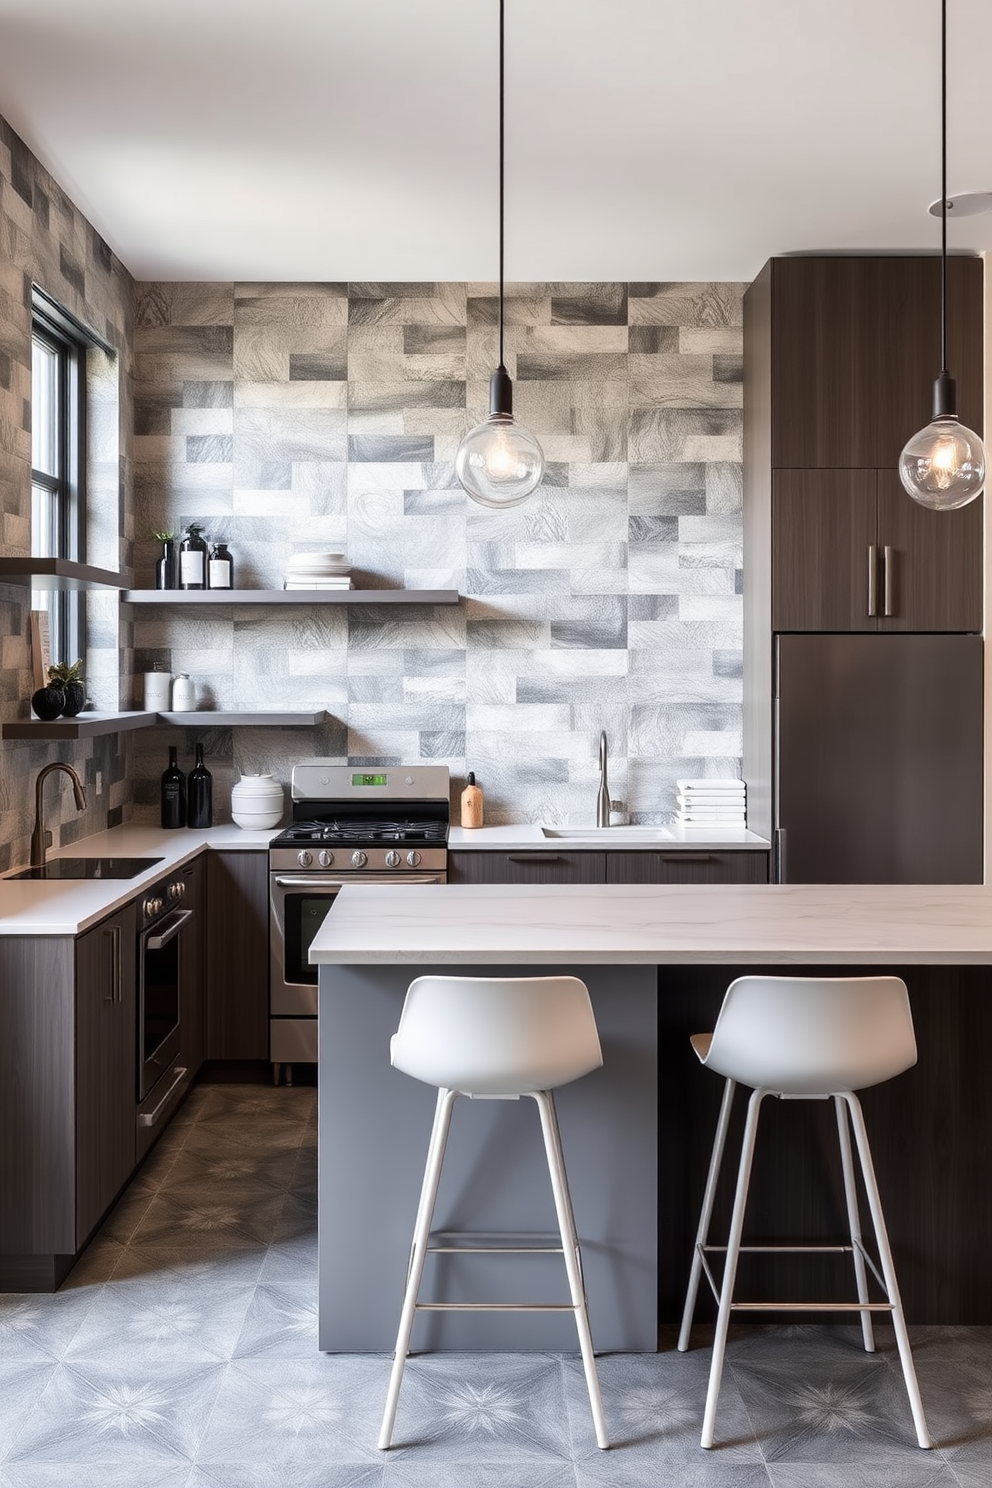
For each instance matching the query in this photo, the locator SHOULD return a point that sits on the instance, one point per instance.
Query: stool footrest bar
(495, 1307)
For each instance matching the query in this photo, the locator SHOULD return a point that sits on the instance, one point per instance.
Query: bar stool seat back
(812, 1035)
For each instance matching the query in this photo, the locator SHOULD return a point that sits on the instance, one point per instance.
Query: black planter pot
(75, 697)
(49, 702)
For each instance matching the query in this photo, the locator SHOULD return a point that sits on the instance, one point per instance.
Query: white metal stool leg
(888, 1269)
(730, 1269)
(706, 1214)
(418, 1255)
(854, 1220)
(570, 1246)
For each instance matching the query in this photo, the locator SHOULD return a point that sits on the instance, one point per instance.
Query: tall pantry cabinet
(840, 355)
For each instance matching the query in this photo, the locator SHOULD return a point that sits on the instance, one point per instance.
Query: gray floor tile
(473, 1473)
(616, 1471)
(928, 1470)
(22, 1382)
(281, 1323)
(958, 1406)
(163, 1318)
(314, 1474)
(500, 1408)
(126, 1474)
(37, 1327)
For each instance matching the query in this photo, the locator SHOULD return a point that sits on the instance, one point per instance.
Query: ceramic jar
(257, 802)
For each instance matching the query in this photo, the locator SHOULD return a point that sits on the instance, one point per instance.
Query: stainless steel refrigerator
(878, 758)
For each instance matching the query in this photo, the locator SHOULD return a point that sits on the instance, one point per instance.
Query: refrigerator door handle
(888, 571)
(872, 579)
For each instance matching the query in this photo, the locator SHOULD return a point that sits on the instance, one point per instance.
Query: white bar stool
(496, 1038)
(805, 1038)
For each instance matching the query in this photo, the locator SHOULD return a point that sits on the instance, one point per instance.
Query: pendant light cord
(501, 112)
(943, 186)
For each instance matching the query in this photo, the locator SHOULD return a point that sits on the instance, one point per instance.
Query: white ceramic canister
(257, 802)
(157, 694)
(183, 694)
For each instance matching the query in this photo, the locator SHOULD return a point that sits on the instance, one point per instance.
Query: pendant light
(499, 462)
(943, 466)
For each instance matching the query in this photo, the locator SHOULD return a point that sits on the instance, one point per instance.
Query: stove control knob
(413, 858)
(359, 859)
(152, 907)
(176, 889)
(304, 859)
(392, 859)
(325, 858)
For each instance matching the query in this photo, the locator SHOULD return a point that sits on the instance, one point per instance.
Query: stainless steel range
(349, 826)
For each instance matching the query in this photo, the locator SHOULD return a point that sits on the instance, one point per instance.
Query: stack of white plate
(318, 571)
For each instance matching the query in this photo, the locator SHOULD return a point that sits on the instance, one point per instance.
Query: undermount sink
(609, 834)
(89, 868)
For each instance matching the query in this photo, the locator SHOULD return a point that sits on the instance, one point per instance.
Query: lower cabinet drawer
(686, 867)
(527, 867)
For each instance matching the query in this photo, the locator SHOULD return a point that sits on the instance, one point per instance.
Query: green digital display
(369, 779)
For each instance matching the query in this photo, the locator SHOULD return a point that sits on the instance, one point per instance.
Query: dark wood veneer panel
(237, 955)
(686, 867)
(936, 561)
(823, 522)
(37, 1096)
(538, 867)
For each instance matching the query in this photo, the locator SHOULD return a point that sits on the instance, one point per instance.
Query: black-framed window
(58, 466)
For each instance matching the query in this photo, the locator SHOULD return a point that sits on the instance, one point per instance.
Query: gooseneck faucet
(40, 839)
(603, 797)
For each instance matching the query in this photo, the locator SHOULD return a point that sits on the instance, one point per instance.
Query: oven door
(158, 998)
(298, 903)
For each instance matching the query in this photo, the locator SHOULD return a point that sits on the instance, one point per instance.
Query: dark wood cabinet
(237, 955)
(192, 1000)
(852, 552)
(104, 1067)
(618, 866)
(686, 867)
(526, 866)
(855, 347)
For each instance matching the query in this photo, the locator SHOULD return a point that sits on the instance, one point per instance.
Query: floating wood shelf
(88, 725)
(57, 573)
(289, 596)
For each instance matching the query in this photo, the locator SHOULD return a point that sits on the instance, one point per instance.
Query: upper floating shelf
(56, 573)
(290, 596)
(88, 725)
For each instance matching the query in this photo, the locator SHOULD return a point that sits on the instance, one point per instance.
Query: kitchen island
(637, 1132)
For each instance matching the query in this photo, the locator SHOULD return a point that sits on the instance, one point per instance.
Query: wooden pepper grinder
(472, 803)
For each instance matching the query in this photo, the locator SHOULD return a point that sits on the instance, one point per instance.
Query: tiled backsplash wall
(45, 240)
(299, 417)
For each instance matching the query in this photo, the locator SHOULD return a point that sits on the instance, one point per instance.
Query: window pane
(44, 407)
(45, 525)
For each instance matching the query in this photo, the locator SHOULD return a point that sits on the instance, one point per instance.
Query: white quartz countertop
(735, 924)
(66, 907)
(524, 837)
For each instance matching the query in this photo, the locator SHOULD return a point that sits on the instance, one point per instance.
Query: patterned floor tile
(281, 1323)
(151, 1414)
(292, 1263)
(38, 1327)
(958, 1406)
(126, 1474)
(408, 1473)
(291, 1414)
(654, 1405)
(499, 1408)
(163, 1318)
(314, 1474)
(617, 1471)
(929, 1470)
(22, 1382)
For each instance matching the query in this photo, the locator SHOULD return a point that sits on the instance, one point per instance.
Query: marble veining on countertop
(576, 924)
(68, 906)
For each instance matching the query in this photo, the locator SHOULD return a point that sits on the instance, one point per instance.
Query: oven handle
(149, 1118)
(156, 942)
(305, 882)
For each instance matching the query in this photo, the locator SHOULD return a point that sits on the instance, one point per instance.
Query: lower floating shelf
(89, 725)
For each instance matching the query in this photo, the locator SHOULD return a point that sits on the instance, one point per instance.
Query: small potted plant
(165, 568)
(65, 693)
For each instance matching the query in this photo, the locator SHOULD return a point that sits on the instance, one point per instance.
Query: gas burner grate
(356, 830)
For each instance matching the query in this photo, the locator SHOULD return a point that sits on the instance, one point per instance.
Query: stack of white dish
(257, 802)
(711, 803)
(318, 571)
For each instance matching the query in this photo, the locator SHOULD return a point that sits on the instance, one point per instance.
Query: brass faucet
(40, 839)
(603, 797)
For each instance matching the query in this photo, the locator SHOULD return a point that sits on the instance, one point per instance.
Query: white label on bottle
(220, 573)
(191, 568)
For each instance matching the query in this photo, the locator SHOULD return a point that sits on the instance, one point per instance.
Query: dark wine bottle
(173, 793)
(220, 568)
(193, 558)
(199, 794)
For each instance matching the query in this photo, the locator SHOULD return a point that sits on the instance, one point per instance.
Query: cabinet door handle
(685, 857)
(872, 579)
(535, 858)
(888, 571)
(115, 994)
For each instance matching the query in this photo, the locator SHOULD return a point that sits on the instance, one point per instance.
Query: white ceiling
(356, 139)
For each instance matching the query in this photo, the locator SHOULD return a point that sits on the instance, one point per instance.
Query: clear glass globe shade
(499, 463)
(943, 466)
